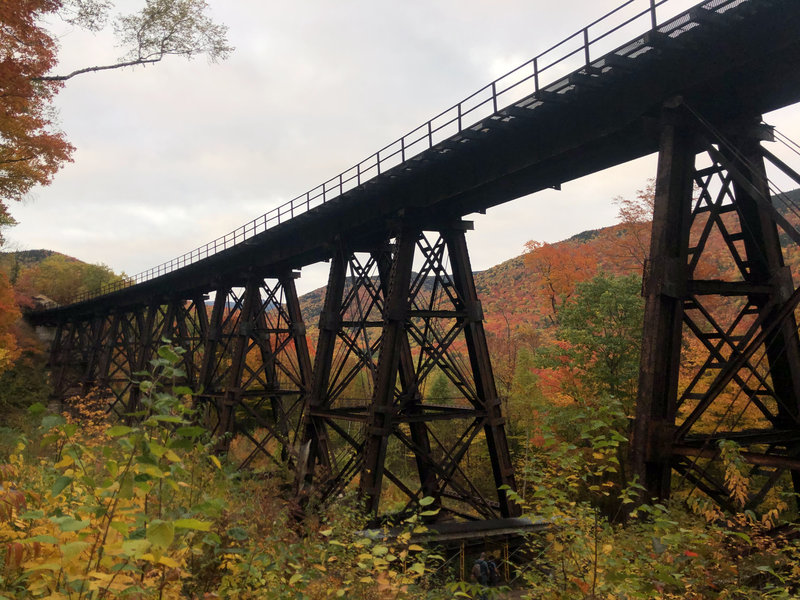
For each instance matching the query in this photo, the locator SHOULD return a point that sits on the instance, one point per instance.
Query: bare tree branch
(161, 28)
(120, 65)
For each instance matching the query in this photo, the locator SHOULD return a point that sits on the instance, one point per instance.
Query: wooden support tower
(720, 357)
(384, 331)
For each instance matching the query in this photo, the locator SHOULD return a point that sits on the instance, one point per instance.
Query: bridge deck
(725, 58)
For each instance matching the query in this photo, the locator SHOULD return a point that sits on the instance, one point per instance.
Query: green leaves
(168, 353)
(190, 431)
(194, 524)
(160, 533)
(60, 485)
(72, 549)
(70, 523)
(119, 430)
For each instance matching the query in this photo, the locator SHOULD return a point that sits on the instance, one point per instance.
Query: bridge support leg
(383, 332)
(60, 353)
(721, 356)
(256, 366)
(92, 374)
(317, 455)
(146, 321)
(74, 356)
(478, 349)
(664, 300)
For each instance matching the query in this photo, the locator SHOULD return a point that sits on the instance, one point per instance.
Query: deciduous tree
(161, 28)
(61, 278)
(9, 313)
(32, 148)
(628, 245)
(600, 331)
(557, 268)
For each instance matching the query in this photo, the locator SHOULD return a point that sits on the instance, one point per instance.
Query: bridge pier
(383, 333)
(720, 358)
(256, 366)
(67, 359)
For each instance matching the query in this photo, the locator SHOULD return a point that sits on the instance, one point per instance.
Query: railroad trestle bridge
(401, 303)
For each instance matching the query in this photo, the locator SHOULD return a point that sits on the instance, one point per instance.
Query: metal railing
(571, 54)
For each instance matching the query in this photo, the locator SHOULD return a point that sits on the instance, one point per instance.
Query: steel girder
(384, 328)
(720, 357)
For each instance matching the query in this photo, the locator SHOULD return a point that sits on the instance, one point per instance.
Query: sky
(174, 155)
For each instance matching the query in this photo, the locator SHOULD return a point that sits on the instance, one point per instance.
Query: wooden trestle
(720, 357)
(383, 330)
(395, 312)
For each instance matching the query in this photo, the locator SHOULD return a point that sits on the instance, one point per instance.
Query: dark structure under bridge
(691, 86)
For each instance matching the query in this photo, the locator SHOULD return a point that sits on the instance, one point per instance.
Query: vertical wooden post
(211, 339)
(232, 392)
(478, 350)
(379, 424)
(315, 446)
(664, 290)
(90, 374)
(766, 267)
(298, 330)
(410, 388)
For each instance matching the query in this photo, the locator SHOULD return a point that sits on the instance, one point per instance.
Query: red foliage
(556, 268)
(32, 151)
(9, 315)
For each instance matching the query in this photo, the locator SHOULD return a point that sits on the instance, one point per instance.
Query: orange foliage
(9, 315)
(556, 268)
(627, 245)
(32, 150)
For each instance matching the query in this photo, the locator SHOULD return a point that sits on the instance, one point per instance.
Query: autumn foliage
(9, 314)
(33, 149)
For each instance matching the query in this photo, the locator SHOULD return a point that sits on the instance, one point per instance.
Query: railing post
(494, 96)
(586, 44)
(536, 74)
(430, 134)
(653, 19)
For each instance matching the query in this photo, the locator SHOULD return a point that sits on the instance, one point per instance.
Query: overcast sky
(173, 155)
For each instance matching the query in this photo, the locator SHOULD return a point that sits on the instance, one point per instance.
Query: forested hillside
(28, 279)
